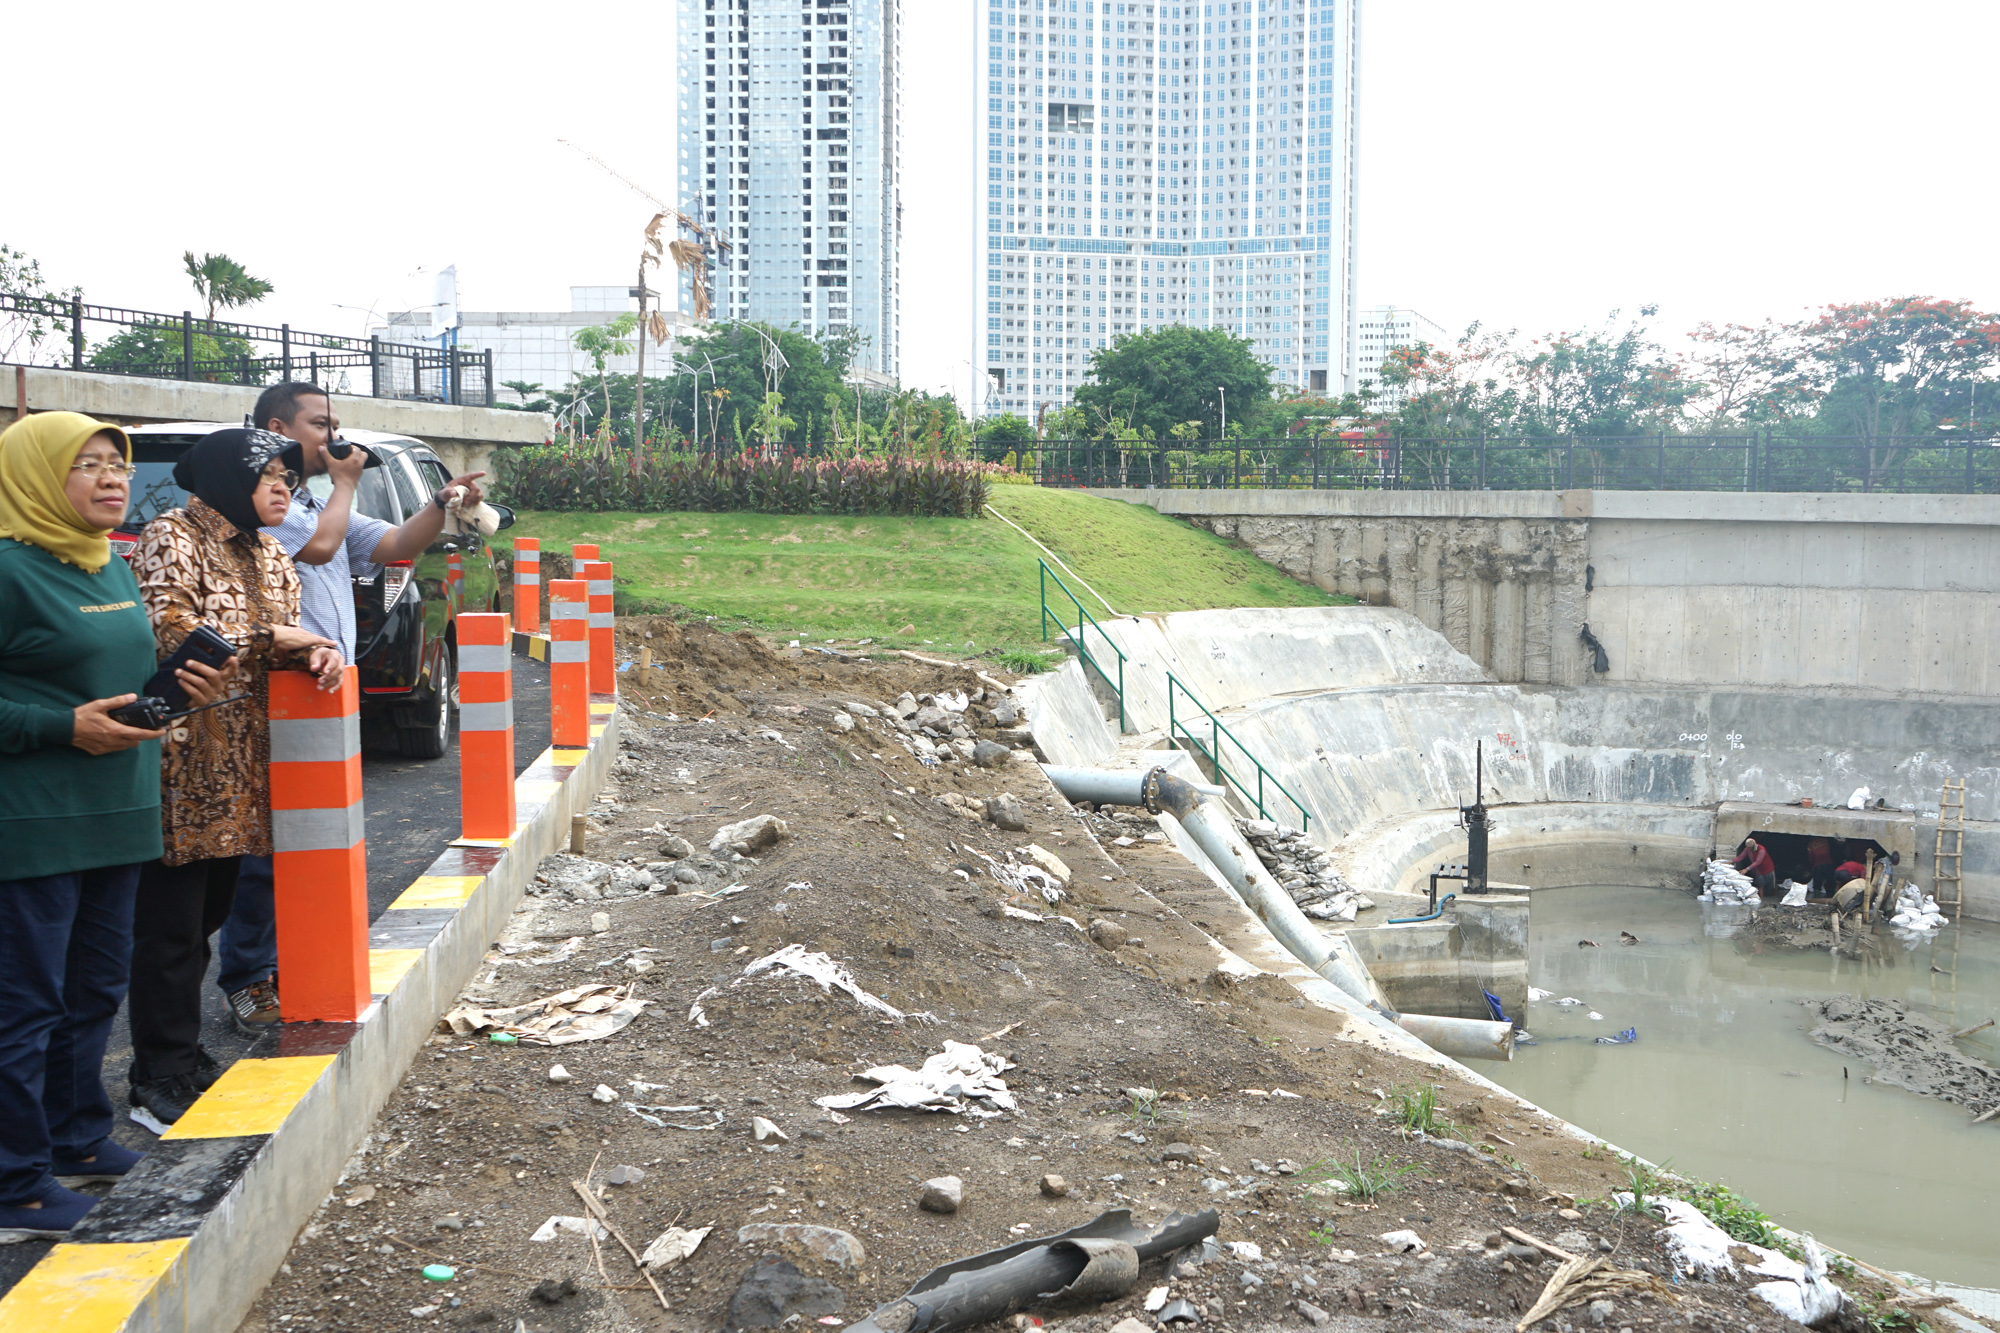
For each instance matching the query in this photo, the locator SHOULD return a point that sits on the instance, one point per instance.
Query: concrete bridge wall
(465, 437)
(1874, 592)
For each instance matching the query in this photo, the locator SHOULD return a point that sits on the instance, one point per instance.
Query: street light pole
(1222, 398)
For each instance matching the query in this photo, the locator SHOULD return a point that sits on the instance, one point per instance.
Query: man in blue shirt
(329, 543)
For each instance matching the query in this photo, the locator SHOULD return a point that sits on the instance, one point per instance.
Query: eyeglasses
(288, 479)
(97, 468)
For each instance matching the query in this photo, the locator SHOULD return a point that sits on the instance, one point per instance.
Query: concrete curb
(188, 1240)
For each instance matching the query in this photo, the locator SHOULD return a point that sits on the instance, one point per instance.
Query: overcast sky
(1533, 165)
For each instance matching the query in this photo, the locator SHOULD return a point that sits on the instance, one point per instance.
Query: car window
(406, 486)
(372, 497)
(153, 489)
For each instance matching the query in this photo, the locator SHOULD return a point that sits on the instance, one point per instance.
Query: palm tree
(222, 282)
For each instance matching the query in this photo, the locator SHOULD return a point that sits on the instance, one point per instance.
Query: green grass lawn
(964, 584)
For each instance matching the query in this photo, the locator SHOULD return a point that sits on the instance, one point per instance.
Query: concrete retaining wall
(464, 437)
(1574, 773)
(1879, 592)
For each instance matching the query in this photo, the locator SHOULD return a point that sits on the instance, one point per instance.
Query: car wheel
(428, 735)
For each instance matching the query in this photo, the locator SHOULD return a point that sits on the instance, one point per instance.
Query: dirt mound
(1911, 1051)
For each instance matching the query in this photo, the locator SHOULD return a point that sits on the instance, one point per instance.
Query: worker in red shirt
(1754, 861)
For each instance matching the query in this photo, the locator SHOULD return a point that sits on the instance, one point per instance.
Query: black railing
(1940, 463)
(188, 347)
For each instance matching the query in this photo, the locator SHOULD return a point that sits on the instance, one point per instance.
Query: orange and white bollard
(578, 553)
(485, 726)
(320, 857)
(569, 664)
(603, 670)
(527, 585)
(454, 581)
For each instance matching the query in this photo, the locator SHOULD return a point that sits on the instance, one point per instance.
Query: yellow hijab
(35, 457)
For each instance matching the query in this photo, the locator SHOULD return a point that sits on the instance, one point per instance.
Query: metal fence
(1759, 461)
(188, 347)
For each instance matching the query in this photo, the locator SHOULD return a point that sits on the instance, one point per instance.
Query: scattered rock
(842, 722)
(1313, 1314)
(604, 1095)
(1107, 934)
(773, 1291)
(624, 1175)
(987, 754)
(765, 1129)
(356, 1197)
(1184, 1153)
(1005, 713)
(1129, 1325)
(935, 718)
(674, 847)
(1055, 1187)
(749, 835)
(449, 1222)
(942, 1195)
(823, 1243)
(600, 922)
(1048, 861)
(1404, 1242)
(1006, 813)
(906, 705)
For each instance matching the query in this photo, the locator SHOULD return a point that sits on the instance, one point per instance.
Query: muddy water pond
(1725, 1083)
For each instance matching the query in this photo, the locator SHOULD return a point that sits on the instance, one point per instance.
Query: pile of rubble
(941, 729)
(1303, 871)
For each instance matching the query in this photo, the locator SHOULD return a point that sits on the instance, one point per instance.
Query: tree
(1604, 382)
(217, 358)
(1004, 434)
(1154, 381)
(733, 358)
(532, 397)
(222, 283)
(22, 277)
(601, 342)
(1878, 369)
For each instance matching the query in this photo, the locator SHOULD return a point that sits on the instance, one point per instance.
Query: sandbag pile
(1916, 910)
(1303, 871)
(1724, 883)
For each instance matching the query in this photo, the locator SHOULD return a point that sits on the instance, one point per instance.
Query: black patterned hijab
(223, 469)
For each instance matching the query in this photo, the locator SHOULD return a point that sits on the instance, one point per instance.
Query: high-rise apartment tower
(1152, 163)
(790, 126)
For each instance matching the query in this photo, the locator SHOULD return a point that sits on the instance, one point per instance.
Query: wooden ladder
(1950, 855)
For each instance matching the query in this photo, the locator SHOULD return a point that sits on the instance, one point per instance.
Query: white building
(538, 347)
(1378, 331)
(790, 144)
(1154, 163)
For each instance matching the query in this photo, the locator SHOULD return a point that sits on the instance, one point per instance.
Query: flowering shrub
(554, 477)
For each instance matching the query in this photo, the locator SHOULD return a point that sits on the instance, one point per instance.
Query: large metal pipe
(1214, 831)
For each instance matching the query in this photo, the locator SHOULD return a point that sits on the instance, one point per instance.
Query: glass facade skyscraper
(1150, 163)
(790, 122)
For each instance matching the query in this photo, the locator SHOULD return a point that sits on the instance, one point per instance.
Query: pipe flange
(1149, 791)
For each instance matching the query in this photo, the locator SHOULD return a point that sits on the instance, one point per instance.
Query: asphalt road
(412, 815)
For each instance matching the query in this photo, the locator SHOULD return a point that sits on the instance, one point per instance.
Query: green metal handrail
(1217, 732)
(1083, 618)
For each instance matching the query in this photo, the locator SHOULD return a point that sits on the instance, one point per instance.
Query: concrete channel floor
(412, 814)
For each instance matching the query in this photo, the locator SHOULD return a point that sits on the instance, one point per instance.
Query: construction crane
(691, 257)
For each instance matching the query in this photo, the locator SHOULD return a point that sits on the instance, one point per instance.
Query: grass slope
(967, 584)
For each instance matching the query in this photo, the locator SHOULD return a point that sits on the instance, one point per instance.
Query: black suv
(405, 634)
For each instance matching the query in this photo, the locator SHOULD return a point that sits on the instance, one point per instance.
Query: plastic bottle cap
(503, 1039)
(439, 1272)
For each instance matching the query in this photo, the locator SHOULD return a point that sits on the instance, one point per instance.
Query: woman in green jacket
(79, 807)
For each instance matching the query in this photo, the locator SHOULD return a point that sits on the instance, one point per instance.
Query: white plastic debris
(1795, 894)
(1537, 993)
(1724, 883)
(1404, 1242)
(1860, 799)
(829, 974)
(1700, 1249)
(673, 1246)
(1247, 1250)
(575, 1226)
(765, 1129)
(949, 1081)
(583, 1013)
(1569, 1001)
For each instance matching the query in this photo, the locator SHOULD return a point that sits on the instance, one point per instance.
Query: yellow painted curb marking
(87, 1288)
(604, 708)
(438, 891)
(573, 758)
(386, 967)
(251, 1097)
